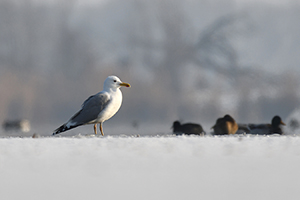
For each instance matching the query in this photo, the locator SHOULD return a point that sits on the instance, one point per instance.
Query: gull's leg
(95, 129)
(101, 129)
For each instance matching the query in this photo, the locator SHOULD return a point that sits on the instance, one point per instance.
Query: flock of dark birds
(227, 126)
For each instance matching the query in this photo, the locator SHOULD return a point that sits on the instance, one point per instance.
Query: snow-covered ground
(150, 167)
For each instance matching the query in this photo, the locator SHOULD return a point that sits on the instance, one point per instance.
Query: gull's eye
(115, 80)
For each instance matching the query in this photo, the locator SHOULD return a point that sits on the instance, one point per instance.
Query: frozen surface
(162, 167)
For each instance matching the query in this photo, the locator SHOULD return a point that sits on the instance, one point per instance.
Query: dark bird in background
(16, 125)
(267, 129)
(243, 129)
(294, 124)
(225, 126)
(187, 128)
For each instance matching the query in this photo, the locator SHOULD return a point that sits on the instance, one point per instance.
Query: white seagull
(99, 107)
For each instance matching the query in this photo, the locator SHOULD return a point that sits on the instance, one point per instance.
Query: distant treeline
(188, 60)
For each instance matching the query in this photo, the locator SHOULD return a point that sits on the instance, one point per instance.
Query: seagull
(99, 107)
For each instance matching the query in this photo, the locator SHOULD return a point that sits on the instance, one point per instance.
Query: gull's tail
(64, 127)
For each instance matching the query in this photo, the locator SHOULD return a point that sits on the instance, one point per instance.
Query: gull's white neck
(109, 90)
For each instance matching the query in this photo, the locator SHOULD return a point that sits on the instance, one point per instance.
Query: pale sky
(274, 2)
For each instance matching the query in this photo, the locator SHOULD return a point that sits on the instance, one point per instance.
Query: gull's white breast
(112, 107)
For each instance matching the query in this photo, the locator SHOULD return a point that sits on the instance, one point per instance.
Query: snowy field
(150, 167)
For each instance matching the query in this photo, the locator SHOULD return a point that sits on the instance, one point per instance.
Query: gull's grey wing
(91, 108)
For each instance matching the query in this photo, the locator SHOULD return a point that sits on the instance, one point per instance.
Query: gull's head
(113, 82)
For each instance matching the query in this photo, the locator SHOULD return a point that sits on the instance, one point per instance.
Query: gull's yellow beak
(125, 84)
